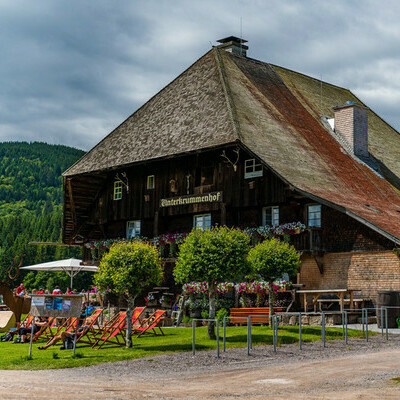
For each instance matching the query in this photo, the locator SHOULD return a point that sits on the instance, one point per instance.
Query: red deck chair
(27, 322)
(88, 331)
(65, 325)
(72, 324)
(150, 324)
(110, 333)
(137, 313)
(45, 330)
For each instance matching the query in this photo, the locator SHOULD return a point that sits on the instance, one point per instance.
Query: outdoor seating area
(95, 330)
(316, 300)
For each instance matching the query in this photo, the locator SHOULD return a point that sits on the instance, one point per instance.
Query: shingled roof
(275, 113)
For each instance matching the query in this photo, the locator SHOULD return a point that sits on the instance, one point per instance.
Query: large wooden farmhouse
(237, 141)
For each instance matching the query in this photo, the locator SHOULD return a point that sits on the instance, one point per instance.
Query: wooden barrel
(390, 299)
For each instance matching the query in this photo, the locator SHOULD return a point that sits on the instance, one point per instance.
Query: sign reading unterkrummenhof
(214, 197)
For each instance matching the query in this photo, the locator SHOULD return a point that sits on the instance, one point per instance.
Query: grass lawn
(15, 356)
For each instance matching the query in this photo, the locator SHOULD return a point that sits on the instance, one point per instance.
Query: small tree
(213, 256)
(127, 269)
(270, 260)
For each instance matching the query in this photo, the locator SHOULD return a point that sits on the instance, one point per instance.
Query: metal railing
(274, 321)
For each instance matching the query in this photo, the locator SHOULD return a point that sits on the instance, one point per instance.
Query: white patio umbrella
(71, 266)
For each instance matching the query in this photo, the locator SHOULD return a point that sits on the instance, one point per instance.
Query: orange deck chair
(26, 323)
(137, 313)
(45, 330)
(150, 324)
(111, 333)
(89, 331)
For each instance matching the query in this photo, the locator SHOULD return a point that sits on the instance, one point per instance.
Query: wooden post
(155, 227)
(223, 214)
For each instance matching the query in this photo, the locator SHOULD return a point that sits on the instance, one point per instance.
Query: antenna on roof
(321, 93)
(241, 35)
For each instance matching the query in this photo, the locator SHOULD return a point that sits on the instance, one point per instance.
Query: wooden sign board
(60, 306)
(213, 197)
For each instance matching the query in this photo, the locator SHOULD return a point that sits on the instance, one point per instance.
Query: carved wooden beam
(72, 203)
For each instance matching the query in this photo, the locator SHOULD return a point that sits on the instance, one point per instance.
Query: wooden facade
(243, 200)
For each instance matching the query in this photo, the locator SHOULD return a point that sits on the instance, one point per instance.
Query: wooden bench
(239, 315)
(358, 303)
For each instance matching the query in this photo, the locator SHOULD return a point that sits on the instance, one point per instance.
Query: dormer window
(150, 182)
(252, 169)
(117, 190)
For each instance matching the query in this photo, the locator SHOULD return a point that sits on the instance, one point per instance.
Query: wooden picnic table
(316, 293)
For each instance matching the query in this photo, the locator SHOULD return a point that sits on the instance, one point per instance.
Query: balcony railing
(309, 240)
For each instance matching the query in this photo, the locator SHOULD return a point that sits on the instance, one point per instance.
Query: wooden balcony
(308, 241)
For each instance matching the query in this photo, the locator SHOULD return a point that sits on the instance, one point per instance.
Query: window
(202, 222)
(271, 216)
(132, 229)
(314, 215)
(117, 190)
(252, 169)
(204, 176)
(150, 182)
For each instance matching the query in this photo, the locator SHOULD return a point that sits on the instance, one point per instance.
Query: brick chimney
(351, 122)
(233, 44)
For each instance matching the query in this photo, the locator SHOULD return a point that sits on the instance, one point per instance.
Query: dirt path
(332, 374)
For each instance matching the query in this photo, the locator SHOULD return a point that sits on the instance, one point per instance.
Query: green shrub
(223, 312)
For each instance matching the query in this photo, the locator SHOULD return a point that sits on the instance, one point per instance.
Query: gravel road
(356, 370)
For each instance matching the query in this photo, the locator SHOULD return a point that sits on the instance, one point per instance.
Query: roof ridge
(227, 92)
(65, 173)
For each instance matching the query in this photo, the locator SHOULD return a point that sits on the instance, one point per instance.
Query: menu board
(62, 306)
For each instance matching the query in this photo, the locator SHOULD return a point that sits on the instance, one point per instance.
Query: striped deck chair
(150, 324)
(111, 333)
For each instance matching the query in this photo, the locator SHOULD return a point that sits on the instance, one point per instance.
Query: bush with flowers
(202, 287)
(100, 247)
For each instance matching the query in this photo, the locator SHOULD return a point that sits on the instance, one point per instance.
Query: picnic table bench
(317, 293)
(238, 315)
(358, 302)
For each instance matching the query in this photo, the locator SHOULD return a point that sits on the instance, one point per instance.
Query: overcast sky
(72, 70)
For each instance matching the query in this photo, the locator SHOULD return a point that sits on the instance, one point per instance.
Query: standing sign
(59, 306)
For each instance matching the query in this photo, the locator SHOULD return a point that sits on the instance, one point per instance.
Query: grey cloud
(72, 71)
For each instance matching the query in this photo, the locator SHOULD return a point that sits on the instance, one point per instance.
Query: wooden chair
(88, 331)
(110, 333)
(26, 323)
(137, 313)
(150, 324)
(45, 330)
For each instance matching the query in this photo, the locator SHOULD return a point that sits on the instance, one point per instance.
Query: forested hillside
(31, 204)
